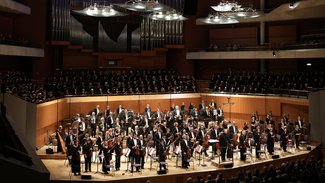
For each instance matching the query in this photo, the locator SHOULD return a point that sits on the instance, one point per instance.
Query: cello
(235, 140)
(205, 140)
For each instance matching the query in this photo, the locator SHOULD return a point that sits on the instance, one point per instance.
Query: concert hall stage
(60, 169)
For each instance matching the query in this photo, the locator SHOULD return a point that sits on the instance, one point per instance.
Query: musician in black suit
(158, 114)
(223, 144)
(97, 110)
(215, 136)
(109, 122)
(213, 104)
(299, 122)
(176, 130)
(137, 131)
(206, 115)
(87, 150)
(145, 122)
(183, 107)
(242, 145)
(99, 141)
(107, 111)
(190, 108)
(257, 140)
(69, 141)
(219, 114)
(297, 133)
(178, 115)
(119, 109)
(157, 138)
(186, 151)
(148, 111)
(233, 129)
(270, 140)
(283, 138)
(118, 149)
(82, 129)
(93, 123)
(135, 146)
(192, 134)
(202, 105)
(201, 134)
(143, 145)
(126, 118)
(162, 151)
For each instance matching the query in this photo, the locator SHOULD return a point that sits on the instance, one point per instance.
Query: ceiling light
(308, 64)
(219, 19)
(229, 13)
(144, 6)
(293, 5)
(97, 10)
(167, 15)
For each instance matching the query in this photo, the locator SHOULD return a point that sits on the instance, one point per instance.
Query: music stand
(199, 151)
(230, 104)
(126, 154)
(189, 161)
(97, 164)
(177, 152)
(151, 153)
(213, 142)
(203, 163)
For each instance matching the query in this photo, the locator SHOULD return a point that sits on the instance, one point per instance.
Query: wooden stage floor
(60, 170)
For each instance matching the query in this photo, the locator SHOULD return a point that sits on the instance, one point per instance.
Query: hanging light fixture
(144, 6)
(235, 10)
(97, 10)
(218, 18)
(167, 15)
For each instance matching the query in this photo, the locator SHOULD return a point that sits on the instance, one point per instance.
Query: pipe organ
(137, 30)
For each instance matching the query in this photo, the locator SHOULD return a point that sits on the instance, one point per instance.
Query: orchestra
(168, 131)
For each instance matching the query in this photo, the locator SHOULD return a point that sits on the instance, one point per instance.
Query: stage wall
(38, 121)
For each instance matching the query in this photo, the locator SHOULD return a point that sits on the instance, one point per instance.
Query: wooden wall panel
(277, 66)
(176, 59)
(47, 115)
(147, 60)
(86, 107)
(282, 34)
(63, 109)
(77, 59)
(245, 106)
(46, 121)
(6, 25)
(294, 110)
(245, 36)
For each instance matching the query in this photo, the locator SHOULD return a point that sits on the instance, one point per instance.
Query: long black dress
(107, 154)
(75, 159)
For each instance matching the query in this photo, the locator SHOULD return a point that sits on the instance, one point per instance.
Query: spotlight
(292, 5)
